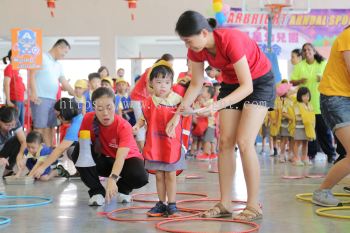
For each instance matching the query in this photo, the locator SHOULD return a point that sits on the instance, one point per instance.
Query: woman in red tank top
(247, 92)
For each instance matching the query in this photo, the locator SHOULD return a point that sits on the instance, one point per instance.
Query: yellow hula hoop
(308, 197)
(321, 211)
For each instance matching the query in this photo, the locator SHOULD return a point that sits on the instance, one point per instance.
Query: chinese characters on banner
(320, 27)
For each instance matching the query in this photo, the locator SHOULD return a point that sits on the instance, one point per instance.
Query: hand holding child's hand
(185, 111)
(207, 111)
(135, 129)
(171, 126)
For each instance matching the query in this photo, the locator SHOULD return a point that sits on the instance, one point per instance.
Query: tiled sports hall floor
(69, 211)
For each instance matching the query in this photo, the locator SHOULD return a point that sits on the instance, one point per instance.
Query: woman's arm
(7, 81)
(22, 140)
(112, 188)
(55, 154)
(190, 96)
(245, 85)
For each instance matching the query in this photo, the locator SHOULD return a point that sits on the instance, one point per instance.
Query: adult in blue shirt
(44, 86)
(67, 112)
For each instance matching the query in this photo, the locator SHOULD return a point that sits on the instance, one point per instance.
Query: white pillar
(136, 69)
(108, 53)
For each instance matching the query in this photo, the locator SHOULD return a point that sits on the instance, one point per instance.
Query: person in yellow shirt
(80, 87)
(335, 108)
(275, 117)
(308, 73)
(303, 123)
(286, 111)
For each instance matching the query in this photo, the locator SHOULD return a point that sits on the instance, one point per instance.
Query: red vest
(200, 127)
(159, 147)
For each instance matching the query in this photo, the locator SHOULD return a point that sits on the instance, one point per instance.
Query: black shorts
(264, 92)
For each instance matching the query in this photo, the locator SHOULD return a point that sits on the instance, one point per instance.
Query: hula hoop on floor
(321, 212)
(181, 207)
(192, 177)
(160, 227)
(315, 176)
(148, 219)
(45, 201)
(292, 177)
(135, 197)
(4, 220)
(308, 197)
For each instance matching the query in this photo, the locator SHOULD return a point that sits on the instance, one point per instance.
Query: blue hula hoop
(4, 220)
(45, 201)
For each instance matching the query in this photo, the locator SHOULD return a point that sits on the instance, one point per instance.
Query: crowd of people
(152, 127)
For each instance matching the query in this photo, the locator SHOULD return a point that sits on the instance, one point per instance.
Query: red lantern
(132, 4)
(51, 4)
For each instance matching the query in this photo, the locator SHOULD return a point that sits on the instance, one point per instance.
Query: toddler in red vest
(163, 151)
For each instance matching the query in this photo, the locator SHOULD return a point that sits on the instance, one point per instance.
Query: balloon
(217, 6)
(226, 9)
(220, 18)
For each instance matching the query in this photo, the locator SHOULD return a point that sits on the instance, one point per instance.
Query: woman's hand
(21, 163)
(185, 111)
(9, 103)
(171, 126)
(207, 111)
(135, 129)
(111, 189)
(37, 172)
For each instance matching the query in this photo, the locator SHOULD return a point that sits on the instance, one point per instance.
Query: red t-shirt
(17, 87)
(183, 75)
(118, 134)
(219, 78)
(232, 45)
(140, 93)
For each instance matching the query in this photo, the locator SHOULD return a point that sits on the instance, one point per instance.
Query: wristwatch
(114, 177)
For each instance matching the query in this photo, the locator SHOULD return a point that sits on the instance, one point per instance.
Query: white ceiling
(127, 47)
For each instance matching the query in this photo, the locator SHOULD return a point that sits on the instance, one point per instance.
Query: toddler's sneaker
(307, 162)
(203, 157)
(172, 210)
(213, 157)
(324, 197)
(62, 171)
(158, 210)
(97, 200)
(298, 163)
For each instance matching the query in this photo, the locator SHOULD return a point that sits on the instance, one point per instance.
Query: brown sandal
(218, 211)
(249, 214)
